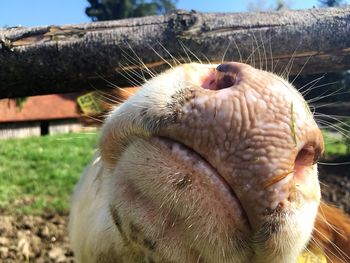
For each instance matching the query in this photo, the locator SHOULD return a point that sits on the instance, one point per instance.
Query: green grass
(335, 146)
(38, 174)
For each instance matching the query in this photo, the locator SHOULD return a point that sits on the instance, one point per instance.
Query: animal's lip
(170, 142)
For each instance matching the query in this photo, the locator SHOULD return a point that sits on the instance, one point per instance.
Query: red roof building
(39, 115)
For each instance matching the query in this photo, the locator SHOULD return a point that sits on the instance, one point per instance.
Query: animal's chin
(177, 196)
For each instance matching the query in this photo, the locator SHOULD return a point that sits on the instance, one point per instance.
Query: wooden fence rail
(54, 59)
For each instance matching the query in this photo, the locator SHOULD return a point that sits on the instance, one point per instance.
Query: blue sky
(58, 12)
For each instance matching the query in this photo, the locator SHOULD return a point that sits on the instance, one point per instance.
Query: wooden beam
(54, 59)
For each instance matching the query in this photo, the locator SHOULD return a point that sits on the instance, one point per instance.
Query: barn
(40, 115)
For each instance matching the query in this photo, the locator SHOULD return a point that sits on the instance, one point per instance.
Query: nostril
(226, 75)
(308, 155)
(225, 81)
(223, 68)
(227, 68)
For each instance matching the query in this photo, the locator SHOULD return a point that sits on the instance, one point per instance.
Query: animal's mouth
(186, 155)
(288, 188)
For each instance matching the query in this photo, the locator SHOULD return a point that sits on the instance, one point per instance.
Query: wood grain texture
(54, 59)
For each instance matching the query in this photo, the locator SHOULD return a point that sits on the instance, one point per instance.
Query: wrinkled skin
(203, 164)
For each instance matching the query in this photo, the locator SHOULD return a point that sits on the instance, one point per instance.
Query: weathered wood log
(53, 59)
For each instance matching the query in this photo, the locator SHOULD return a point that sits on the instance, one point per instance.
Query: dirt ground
(34, 239)
(335, 185)
(44, 238)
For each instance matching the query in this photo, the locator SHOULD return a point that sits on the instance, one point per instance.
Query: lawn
(38, 174)
(335, 145)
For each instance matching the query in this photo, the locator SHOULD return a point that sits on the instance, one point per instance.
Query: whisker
(130, 78)
(310, 82)
(333, 164)
(225, 52)
(319, 106)
(184, 47)
(152, 74)
(336, 92)
(206, 58)
(274, 68)
(339, 129)
(188, 57)
(112, 85)
(319, 246)
(102, 93)
(176, 61)
(133, 62)
(327, 223)
(264, 51)
(333, 141)
(93, 118)
(258, 49)
(290, 63)
(324, 184)
(107, 99)
(302, 68)
(239, 52)
(133, 69)
(252, 54)
(161, 57)
(336, 119)
(127, 67)
(252, 59)
(283, 72)
(318, 86)
(333, 115)
(271, 55)
(288, 69)
(341, 252)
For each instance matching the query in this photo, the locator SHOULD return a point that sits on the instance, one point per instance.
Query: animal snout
(257, 133)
